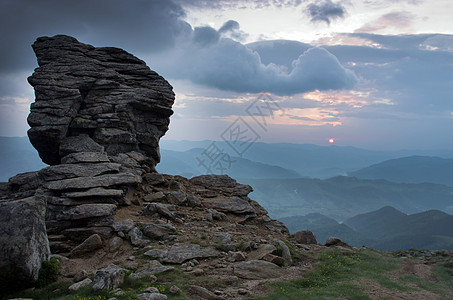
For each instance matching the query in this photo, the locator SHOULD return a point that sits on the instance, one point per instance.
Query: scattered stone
(286, 254)
(115, 244)
(80, 276)
(262, 251)
(305, 237)
(231, 204)
(197, 272)
(216, 214)
(136, 237)
(151, 289)
(204, 293)
(151, 268)
(257, 269)
(155, 197)
(334, 241)
(174, 289)
(279, 261)
(177, 254)
(193, 201)
(161, 209)
(110, 277)
(155, 231)
(177, 198)
(152, 278)
(154, 178)
(151, 296)
(243, 292)
(124, 225)
(77, 286)
(236, 256)
(90, 245)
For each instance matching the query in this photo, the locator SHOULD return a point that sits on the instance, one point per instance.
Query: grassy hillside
(413, 169)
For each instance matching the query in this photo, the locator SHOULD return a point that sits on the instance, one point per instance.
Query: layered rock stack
(97, 120)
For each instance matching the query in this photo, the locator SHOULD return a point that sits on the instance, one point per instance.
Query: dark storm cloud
(228, 4)
(137, 25)
(325, 11)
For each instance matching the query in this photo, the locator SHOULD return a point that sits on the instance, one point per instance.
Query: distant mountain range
(386, 229)
(413, 169)
(343, 197)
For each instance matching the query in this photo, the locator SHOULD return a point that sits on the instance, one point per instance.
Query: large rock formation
(104, 93)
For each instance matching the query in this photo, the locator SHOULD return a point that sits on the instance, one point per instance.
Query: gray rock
(151, 296)
(105, 94)
(80, 234)
(110, 277)
(77, 286)
(124, 225)
(193, 201)
(85, 211)
(23, 241)
(155, 231)
(286, 254)
(80, 276)
(108, 180)
(150, 268)
(90, 245)
(236, 256)
(85, 157)
(204, 293)
(163, 210)
(155, 197)
(176, 198)
(80, 143)
(334, 241)
(95, 192)
(216, 214)
(232, 204)
(305, 237)
(262, 251)
(177, 254)
(66, 171)
(277, 226)
(257, 269)
(222, 183)
(115, 244)
(174, 289)
(136, 236)
(154, 178)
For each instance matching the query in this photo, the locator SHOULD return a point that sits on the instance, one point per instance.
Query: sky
(375, 74)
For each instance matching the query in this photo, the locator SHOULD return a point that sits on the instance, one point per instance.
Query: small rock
(80, 276)
(204, 293)
(124, 225)
(151, 296)
(91, 244)
(257, 269)
(152, 278)
(197, 272)
(236, 256)
(333, 241)
(174, 289)
(115, 244)
(262, 251)
(108, 278)
(151, 289)
(243, 292)
(80, 284)
(305, 237)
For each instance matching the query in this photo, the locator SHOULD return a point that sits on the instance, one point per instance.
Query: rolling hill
(413, 169)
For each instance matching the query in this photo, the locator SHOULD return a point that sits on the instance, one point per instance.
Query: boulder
(78, 285)
(257, 269)
(108, 278)
(89, 245)
(150, 268)
(334, 241)
(95, 99)
(262, 251)
(305, 237)
(23, 241)
(231, 204)
(151, 296)
(155, 231)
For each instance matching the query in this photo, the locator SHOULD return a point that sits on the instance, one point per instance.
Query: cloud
(205, 36)
(326, 11)
(230, 65)
(230, 4)
(135, 25)
(399, 20)
(231, 29)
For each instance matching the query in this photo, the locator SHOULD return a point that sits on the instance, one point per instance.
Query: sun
(331, 140)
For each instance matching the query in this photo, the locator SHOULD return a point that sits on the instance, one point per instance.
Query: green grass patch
(332, 277)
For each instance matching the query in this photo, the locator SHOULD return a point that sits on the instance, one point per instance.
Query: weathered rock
(78, 285)
(334, 241)
(257, 269)
(80, 276)
(115, 244)
(163, 210)
(222, 183)
(154, 178)
(277, 226)
(23, 241)
(236, 256)
(92, 182)
(204, 293)
(104, 94)
(262, 251)
(136, 237)
(286, 253)
(177, 254)
(216, 215)
(193, 201)
(155, 231)
(177, 198)
(174, 289)
(232, 204)
(151, 296)
(150, 268)
(305, 237)
(279, 261)
(90, 245)
(124, 225)
(108, 278)
(85, 211)
(85, 157)
(95, 192)
(66, 171)
(155, 197)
